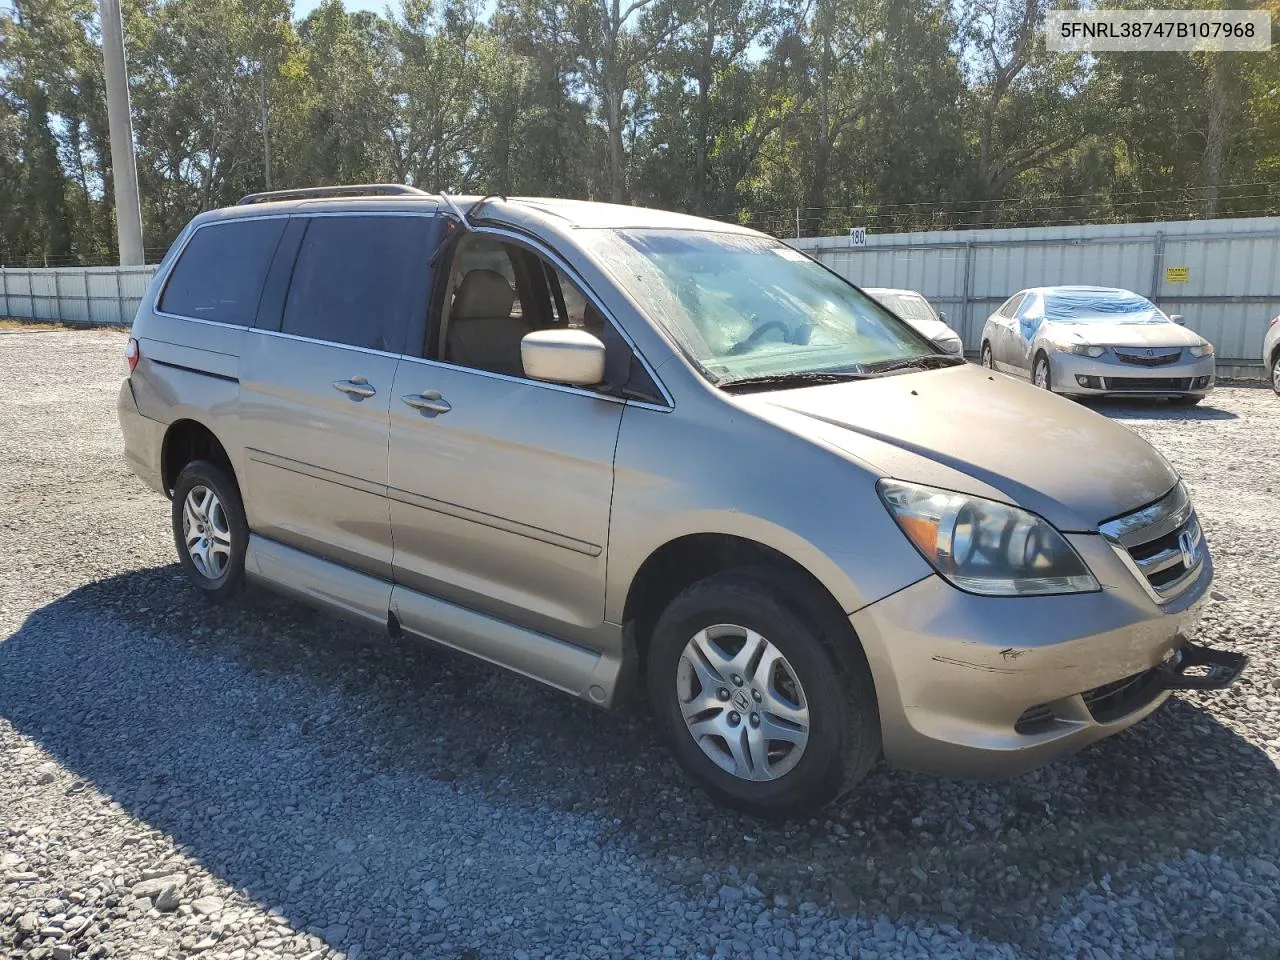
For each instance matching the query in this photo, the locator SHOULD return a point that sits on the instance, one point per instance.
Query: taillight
(132, 353)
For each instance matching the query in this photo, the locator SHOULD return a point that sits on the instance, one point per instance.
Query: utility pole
(124, 170)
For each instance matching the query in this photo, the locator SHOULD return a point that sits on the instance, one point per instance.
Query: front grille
(1111, 701)
(1162, 543)
(1179, 384)
(1158, 359)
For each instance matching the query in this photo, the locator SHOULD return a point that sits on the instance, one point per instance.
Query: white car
(1094, 341)
(917, 311)
(1271, 352)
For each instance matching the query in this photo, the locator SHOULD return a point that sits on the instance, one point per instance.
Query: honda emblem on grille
(1187, 547)
(1151, 353)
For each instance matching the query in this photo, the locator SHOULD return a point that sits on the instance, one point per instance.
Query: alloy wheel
(1042, 374)
(742, 702)
(206, 532)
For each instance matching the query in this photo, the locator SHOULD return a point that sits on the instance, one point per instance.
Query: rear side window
(220, 273)
(360, 281)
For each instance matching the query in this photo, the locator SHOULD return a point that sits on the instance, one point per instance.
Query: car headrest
(483, 293)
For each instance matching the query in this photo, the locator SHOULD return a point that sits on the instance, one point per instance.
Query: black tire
(1275, 373)
(1040, 360)
(203, 473)
(987, 360)
(810, 631)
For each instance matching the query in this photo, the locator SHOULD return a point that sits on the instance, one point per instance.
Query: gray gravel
(264, 781)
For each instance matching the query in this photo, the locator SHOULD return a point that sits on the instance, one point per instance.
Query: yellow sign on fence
(1177, 274)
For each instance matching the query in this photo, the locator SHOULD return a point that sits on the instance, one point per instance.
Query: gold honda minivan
(615, 449)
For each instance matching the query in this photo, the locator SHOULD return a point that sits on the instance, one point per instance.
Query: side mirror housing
(573, 357)
(1177, 318)
(942, 315)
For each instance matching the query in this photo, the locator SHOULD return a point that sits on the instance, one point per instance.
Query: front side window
(744, 307)
(220, 273)
(359, 281)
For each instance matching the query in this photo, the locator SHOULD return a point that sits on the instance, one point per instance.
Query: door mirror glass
(570, 356)
(1177, 318)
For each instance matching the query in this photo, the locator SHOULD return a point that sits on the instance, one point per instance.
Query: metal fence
(97, 295)
(1222, 275)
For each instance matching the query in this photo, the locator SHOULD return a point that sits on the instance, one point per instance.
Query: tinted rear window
(359, 281)
(220, 273)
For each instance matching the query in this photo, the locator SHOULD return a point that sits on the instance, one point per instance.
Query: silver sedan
(917, 311)
(1094, 341)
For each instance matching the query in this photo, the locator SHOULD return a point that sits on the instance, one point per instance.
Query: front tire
(987, 360)
(209, 529)
(762, 693)
(1042, 374)
(1275, 372)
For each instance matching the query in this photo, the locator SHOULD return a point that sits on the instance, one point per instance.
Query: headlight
(1079, 349)
(951, 345)
(983, 546)
(1204, 349)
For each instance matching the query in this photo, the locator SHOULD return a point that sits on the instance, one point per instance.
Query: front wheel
(209, 529)
(1275, 373)
(764, 698)
(1042, 377)
(987, 360)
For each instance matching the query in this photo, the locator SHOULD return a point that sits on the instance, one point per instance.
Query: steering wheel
(754, 337)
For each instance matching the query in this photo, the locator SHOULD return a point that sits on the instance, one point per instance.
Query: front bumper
(1107, 376)
(958, 676)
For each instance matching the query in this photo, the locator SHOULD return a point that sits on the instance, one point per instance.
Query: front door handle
(429, 401)
(357, 388)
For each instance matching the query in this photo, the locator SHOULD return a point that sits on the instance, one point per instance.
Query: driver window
(499, 292)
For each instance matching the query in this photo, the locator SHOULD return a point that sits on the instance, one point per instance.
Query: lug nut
(755, 695)
(722, 693)
(734, 718)
(755, 719)
(737, 680)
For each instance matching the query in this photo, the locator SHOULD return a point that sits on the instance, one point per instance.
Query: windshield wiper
(930, 361)
(783, 381)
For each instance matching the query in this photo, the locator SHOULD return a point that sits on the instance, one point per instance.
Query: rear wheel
(987, 360)
(1042, 377)
(765, 700)
(209, 528)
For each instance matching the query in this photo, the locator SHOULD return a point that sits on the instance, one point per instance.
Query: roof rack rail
(348, 190)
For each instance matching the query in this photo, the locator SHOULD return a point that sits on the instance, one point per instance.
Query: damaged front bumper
(993, 686)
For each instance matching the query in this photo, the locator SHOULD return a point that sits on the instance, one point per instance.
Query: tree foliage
(891, 114)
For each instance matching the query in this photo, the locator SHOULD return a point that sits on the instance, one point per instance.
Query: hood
(933, 329)
(1123, 334)
(1043, 452)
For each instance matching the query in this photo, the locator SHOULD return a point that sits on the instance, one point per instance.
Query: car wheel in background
(762, 693)
(1042, 377)
(986, 357)
(209, 529)
(1275, 373)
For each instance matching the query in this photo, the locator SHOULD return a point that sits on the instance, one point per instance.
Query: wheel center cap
(742, 700)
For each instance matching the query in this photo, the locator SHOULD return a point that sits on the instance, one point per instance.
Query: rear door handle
(429, 401)
(357, 388)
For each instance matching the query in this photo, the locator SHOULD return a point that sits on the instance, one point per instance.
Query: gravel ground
(265, 781)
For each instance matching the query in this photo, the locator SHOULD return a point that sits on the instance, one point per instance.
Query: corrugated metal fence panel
(101, 295)
(1231, 290)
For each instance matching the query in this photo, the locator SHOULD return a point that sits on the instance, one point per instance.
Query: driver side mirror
(571, 356)
(1177, 318)
(942, 315)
